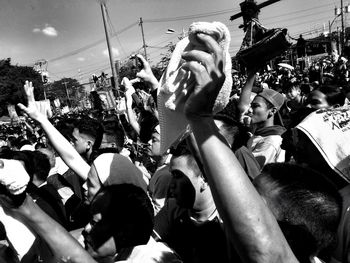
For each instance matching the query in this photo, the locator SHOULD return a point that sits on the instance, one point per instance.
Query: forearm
(62, 244)
(250, 223)
(131, 116)
(153, 83)
(63, 147)
(244, 99)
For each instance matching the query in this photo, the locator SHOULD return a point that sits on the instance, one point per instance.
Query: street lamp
(331, 23)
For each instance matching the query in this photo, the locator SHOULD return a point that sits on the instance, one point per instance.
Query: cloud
(47, 30)
(50, 31)
(81, 59)
(115, 52)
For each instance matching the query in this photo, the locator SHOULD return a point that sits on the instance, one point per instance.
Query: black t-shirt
(194, 242)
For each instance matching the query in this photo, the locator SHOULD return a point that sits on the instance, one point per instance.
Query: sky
(69, 34)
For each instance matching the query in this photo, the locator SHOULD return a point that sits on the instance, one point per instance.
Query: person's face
(92, 185)
(185, 183)
(259, 111)
(79, 142)
(154, 145)
(98, 240)
(293, 93)
(317, 100)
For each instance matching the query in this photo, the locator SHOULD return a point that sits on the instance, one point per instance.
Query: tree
(164, 61)
(60, 88)
(12, 79)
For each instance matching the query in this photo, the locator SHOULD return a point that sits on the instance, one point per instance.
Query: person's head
(293, 91)
(122, 217)
(86, 136)
(154, 144)
(50, 155)
(113, 135)
(325, 97)
(110, 169)
(306, 205)
(188, 185)
(265, 105)
(42, 167)
(147, 123)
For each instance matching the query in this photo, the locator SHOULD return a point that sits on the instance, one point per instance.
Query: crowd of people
(203, 165)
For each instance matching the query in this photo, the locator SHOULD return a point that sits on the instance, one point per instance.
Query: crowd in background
(264, 179)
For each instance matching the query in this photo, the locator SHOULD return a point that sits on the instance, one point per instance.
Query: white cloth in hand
(13, 176)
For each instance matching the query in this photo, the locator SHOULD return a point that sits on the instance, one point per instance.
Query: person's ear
(272, 112)
(89, 145)
(204, 185)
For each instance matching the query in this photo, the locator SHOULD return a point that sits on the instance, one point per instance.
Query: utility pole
(340, 12)
(143, 37)
(114, 73)
(44, 91)
(342, 36)
(68, 99)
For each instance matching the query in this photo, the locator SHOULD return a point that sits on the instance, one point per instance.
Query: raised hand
(31, 109)
(129, 89)
(146, 73)
(207, 69)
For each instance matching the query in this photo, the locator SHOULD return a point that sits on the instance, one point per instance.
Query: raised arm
(63, 147)
(251, 226)
(16, 203)
(62, 244)
(244, 99)
(129, 90)
(146, 74)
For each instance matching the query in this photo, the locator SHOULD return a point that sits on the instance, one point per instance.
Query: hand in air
(31, 109)
(145, 73)
(207, 68)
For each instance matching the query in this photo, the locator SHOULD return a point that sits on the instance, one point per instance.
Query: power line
(77, 51)
(114, 31)
(171, 19)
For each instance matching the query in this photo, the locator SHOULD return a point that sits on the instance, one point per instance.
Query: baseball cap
(272, 96)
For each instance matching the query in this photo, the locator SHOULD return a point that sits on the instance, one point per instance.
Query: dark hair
(66, 127)
(91, 128)
(112, 127)
(334, 95)
(129, 210)
(41, 164)
(23, 142)
(308, 207)
(147, 124)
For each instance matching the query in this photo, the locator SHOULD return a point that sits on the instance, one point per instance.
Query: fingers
(212, 58)
(211, 44)
(144, 61)
(22, 107)
(213, 48)
(199, 71)
(201, 57)
(29, 90)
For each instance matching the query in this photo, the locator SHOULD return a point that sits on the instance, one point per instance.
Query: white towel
(176, 81)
